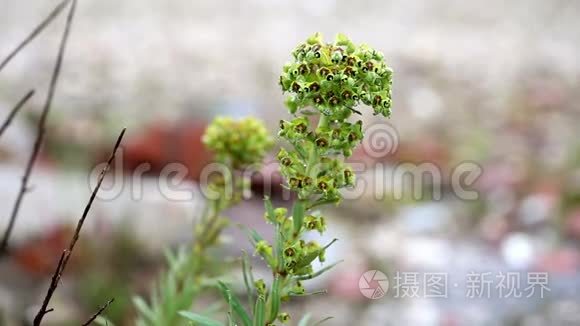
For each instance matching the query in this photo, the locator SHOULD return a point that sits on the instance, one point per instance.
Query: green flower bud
(336, 57)
(303, 69)
(289, 265)
(295, 87)
(315, 39)
(351, 62)
(286, 161)
(322, 142)
(240, 142)
(318, 100)
(280, 212)
(334, 101)
(284, 317)
(300, 125)
(260, 287)
(291, 104)
(264, 249)
(349, 176)
(343, 40)
(289, 252)
(295, 183)
(298, 288)
(323, 72)
(314, 87)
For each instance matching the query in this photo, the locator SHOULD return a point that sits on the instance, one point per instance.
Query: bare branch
(100, 311)
(40, 131)
(66, 254)
(15, 110)
(34, 33)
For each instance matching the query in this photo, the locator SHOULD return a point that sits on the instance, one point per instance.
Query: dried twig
(100, 311)
(34, 33)
(66, 254)
(41, 130)
(15, 110)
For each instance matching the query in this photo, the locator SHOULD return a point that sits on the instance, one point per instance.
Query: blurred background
(494, 83)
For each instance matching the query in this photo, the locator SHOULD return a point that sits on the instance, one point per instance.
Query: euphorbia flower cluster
(333, 79)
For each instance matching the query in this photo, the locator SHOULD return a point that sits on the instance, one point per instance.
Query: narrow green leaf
(199, 319)
(294, 294)
(230, 319)
(298, 216)
(234, 303)
(279, 248)
(269, 210)
(330, 244)
(170, 257)
(323, 321)
(320, 272)
(313, 255)
(274, 299)
(143, 308)
(259, 311)
(304, 321)
(248, 277)
(253, 236)
(184, 300)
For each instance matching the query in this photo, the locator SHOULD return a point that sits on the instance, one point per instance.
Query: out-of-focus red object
(563, 261)
(345, 283)
(424, 149)
(572, 224)
(163, 143)
(39, 256)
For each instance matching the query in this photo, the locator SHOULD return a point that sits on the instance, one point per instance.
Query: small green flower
(317, 223)
(264, 249)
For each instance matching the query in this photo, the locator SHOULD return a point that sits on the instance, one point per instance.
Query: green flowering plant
(328, 81)
(236, 144)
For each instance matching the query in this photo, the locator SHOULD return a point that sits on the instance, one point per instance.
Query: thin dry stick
(15, 110)
(35, 32)
(41, 130)
(66, 254)
(100, 311)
